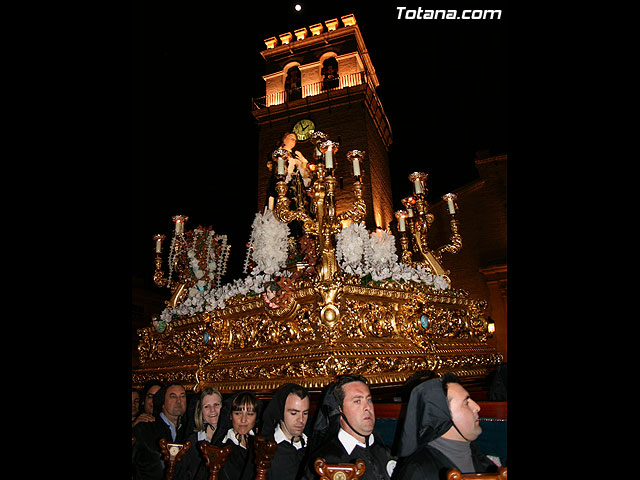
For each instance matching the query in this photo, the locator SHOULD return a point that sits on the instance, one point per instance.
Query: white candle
(271, 199)
(158, 245)
(401, 225)
(410, 212)
(179, 227)
(417, 185)
(452, 207)
(328, 158)
(356, 167)
(450, 197)
(280, 166)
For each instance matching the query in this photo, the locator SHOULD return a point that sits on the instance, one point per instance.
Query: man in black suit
(344, 431)
(439, 432)
(284, 422)
(170, 404)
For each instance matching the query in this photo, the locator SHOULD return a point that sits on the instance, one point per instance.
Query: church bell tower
(320, 78)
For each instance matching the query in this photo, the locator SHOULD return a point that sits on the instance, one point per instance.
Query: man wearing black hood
(343, 431)
(284, 421)
(169, 406)
(439, 432)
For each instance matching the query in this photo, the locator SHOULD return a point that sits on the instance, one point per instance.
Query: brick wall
(481, 266)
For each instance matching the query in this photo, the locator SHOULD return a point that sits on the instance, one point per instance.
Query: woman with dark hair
(146, 401)
(237, 427)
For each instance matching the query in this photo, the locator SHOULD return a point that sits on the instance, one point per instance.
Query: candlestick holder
(158, 274)
(329, 148)
(455, 240)
(322, 221)
(414, 244)
(281, 157)
(356, 157)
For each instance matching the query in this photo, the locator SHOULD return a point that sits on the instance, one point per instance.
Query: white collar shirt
(279, 436)
(231, 435)
(349, 442)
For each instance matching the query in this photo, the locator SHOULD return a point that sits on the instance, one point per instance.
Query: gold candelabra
(415, 249)
(321, 219)
(177, 262)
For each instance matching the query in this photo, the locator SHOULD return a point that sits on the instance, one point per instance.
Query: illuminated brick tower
(323, 74)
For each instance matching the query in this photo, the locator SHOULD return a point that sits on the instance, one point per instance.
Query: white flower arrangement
(360, 253)
(351, 244)
(380, 255)
(269, 242)
(268, 248)
(215, 298)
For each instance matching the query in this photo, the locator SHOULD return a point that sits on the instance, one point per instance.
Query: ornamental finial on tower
(316, 29)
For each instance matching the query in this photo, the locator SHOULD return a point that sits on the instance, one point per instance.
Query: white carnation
(350, 247)
(269, 242)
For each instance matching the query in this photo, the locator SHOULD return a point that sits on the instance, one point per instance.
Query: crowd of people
(437, 434)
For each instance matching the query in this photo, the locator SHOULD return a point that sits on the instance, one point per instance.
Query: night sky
(443, 85)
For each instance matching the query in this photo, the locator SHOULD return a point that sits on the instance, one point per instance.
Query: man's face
(464, 411)
(296, 413)
(148, 399)
(175, 401)
(358, 408)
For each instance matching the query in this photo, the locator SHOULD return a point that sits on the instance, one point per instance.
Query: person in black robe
(203, 414)
(237, 427)
(438, 434)
(284, 421)
(343, 431)
(169, 406)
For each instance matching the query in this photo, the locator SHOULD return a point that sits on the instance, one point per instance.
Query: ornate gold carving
(379, 332)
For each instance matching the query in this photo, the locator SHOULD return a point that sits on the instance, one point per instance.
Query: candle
(271, 199)
(179, 221)
(356, 167)
(401, 215)
(329, 148)
(158, 238)
(355, 156)
(328, 158)
(418, 179)
(408, 202)
(280, 155)
(450, 197)
(452, 207)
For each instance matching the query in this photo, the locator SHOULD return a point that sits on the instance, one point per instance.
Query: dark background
(443, 85)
